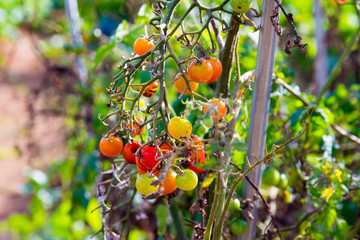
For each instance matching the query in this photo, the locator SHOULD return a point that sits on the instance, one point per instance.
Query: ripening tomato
(142, 46)
(217, 68)
(179, 128)
(197, 154)
(147, 158)
(216, 104)
(143, 184)
(138, 121)
(111, 147)
(151, 89)
(169, 184)
(201, 72)
(187, 180)
(180, 84)
(240, 6)
(129, 150)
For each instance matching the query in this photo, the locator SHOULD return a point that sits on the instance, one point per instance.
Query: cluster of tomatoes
(148, 158)
(148, 164)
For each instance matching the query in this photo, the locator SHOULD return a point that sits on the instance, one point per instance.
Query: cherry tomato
(147, 158)
(240, 6)
(143, 184)
(179, 128)
(238, 226)
(186, 181)
(142, 46)
(234, 205)
(169, 184)
(216, 104)
(200, 71)
(208, 122)
(151, 89)
(138, 121)
(180, 84)
(129, 150)
(111, 147)
(217, 69)
(270, 177)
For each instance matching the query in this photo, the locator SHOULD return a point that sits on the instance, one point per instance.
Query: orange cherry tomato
(169, 184)
(201, 72)
(139, 121)
(180, 84)
(111, 147)
(219, 105)
(151, 89)
(142, 46)
(217, 68)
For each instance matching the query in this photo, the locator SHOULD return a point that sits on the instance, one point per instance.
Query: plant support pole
(260, 107)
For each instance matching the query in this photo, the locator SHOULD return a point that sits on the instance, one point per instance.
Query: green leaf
(208, 180)
(102, 52)
(327, 220)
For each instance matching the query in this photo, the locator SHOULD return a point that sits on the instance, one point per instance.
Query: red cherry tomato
(147, 158)
(129, 150)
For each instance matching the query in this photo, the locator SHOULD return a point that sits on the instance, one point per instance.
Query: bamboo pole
(260, 107)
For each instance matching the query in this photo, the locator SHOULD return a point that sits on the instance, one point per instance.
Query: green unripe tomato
(238, 226)
(283, 182)
(234, 205)
(270, 177)
(240, 6)
(201, 130)
(208, 122)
